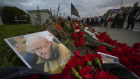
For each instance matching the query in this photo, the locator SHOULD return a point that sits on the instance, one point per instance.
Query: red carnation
(78, 53)
(104, 33)
(96, 55)
(74, 35)
(85, 58)
(76, 43)
(88, 50)
(81, 41)
(82, 33)
(86, 72)
(78, 27)
(136, 45)
(87, 76)
(100, 49)
(114, 42)
(71, 24)
(105, 75)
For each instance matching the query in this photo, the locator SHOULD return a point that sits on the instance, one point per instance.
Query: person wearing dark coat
(116, 20)
(132, 15)
(92, 22)
(87, 21)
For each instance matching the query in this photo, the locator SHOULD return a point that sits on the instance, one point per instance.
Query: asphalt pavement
(122, 35)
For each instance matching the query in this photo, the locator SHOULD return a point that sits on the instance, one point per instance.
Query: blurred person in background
(87, 21)
(135, 10)
(99, 20)
(110, 19)
(92, 22)
(120, 19)
(116, 20)
(124, 15)
(102, 21)
(105, 20)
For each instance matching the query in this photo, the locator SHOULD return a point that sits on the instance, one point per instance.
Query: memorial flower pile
(128, 56)
(89, 66)
(84, 67)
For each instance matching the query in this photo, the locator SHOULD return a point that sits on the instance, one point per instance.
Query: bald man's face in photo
(42, 47)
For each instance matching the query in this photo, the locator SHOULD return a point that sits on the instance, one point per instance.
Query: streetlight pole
(121, 3)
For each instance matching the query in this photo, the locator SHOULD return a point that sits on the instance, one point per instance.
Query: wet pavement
(122, 35)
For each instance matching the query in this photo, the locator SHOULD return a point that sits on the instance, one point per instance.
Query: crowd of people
(115, 18)
(93, 21)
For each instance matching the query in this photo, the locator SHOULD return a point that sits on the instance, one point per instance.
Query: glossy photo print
(41, 51)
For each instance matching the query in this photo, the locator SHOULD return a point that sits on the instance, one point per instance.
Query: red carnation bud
(88, 51)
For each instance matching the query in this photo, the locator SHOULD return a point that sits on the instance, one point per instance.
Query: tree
(38, 17)
(9, 13)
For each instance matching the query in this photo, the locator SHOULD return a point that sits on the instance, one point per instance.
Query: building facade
(44, 15)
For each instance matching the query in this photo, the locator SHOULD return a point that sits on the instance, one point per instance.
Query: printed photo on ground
(41, 51)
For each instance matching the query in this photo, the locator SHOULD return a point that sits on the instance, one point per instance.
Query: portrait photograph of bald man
(41, 51)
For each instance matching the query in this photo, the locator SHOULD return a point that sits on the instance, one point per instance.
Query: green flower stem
(76, 74)
(98, 62)
(90, 64)
(79, 67)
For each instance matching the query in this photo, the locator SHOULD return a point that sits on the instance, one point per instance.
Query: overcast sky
(86, 8)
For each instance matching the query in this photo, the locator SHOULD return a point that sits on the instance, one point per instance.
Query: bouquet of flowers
(86, 66)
